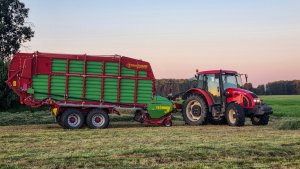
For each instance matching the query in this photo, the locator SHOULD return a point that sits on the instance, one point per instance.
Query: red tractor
(218, 97)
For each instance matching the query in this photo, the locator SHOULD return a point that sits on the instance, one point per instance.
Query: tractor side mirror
(246, 77)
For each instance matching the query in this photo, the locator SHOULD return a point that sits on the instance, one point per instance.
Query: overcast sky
(258, 37)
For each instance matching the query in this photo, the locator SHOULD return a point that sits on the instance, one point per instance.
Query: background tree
(14, 30)
(249, 86)
(260, 90)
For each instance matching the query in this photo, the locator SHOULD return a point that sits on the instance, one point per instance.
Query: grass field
(284, 106)
(132, 145)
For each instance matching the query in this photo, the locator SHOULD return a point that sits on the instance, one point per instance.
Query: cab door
(213, 87)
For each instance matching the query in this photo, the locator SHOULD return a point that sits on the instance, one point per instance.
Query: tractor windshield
(231, 81)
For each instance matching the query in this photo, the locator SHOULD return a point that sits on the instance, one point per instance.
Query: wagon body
(81, 80)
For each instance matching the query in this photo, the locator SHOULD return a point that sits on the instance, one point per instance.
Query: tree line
(165, 87)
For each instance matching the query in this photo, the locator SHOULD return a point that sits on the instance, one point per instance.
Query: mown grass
(127, 144)
(284, 106)
(291, 124)
(134, 145)
(26, 117)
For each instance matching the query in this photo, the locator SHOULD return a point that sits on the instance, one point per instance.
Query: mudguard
(203, 93)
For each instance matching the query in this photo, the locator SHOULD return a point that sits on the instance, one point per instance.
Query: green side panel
(94, 67)
(93, 89)
(75, 88)
(144, 94)
(40, 86)
(111, 68)
(159, 107)
(127, 91)
(58, 87)
(59, 65)
(127, 72)
(111, 90)
(76, 66)
(142, 73)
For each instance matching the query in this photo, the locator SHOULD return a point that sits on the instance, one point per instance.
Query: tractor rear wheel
(235, 115)
(195, 111)
(97, 119)
(72, 119)
(260, 120)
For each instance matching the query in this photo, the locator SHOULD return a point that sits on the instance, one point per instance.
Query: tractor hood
(239, 91)
(248, 100)
(243, 97)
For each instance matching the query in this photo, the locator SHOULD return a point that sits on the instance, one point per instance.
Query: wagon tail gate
(81, 80)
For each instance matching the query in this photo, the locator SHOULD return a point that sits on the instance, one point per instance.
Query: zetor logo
(130, 65)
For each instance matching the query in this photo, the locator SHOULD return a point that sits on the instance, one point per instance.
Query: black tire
(72, 119)
(260, 120)
(58, 120)
(235, 115)
(97, 119)
(195, 111)
(138, 116)
(168, 123)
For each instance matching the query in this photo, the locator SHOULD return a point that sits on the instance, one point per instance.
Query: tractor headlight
(257, 101)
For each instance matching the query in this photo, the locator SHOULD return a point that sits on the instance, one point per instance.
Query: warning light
(14, 84)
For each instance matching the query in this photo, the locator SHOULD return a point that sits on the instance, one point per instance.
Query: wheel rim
(194, 110)
(98, 120)
(232, 116)
(167, 123)
(74, 120)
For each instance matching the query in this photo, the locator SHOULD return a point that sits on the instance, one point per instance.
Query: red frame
(217, 72)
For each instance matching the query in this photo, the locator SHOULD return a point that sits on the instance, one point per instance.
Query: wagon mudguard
(201, 92)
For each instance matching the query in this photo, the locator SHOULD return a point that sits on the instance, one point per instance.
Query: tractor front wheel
(260, 120)
(235, 115)
(195, 111)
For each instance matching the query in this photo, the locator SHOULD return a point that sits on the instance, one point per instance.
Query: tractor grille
(247, 102)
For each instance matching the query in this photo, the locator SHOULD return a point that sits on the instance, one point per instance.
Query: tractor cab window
(200, 82)
(231, 81)
(213, 86)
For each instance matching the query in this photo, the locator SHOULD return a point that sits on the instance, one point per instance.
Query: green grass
(284, 106)
(292, 124)
(127, 144)
(132, 145)
(26, 117)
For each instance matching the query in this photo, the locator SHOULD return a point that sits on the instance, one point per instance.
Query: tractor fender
(201, 92)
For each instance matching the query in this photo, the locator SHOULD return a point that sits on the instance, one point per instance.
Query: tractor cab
(216, 82)
(218, 97)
